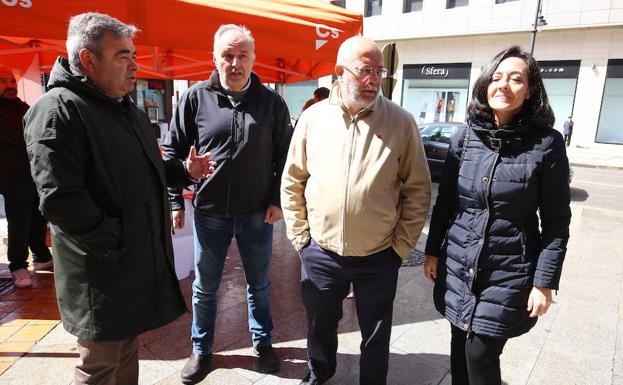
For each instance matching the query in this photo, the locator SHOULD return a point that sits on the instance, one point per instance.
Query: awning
(295, 40)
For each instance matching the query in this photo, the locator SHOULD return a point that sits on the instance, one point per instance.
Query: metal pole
(534, 30)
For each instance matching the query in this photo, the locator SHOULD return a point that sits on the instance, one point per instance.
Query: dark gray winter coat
(102, 184)
(500, 225)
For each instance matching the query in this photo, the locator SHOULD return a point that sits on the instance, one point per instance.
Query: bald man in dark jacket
(26, 225)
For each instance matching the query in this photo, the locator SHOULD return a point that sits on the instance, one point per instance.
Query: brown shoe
(267, 360)
(196, 369)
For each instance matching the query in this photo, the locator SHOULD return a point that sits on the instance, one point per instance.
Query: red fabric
(295, 39)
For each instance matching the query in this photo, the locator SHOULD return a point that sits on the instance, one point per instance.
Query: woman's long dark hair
(535, 111)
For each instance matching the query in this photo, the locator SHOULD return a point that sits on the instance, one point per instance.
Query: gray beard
(355, 100)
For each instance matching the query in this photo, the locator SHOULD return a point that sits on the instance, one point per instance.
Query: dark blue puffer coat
(500, 226)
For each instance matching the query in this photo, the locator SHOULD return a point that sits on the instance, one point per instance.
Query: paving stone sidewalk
(580, 341)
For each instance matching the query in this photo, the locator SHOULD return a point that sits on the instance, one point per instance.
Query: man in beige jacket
(355, 192)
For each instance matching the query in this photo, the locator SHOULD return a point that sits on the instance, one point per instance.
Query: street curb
(598, 166)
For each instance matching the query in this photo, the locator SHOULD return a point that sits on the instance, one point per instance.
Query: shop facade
(560, 78)
(582, 72)
(579, 46)
(436, 92)
(610, 127)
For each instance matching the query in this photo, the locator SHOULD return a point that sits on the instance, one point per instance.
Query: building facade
(443, 44)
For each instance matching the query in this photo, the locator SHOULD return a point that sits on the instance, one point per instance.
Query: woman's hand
(430, 267)
(539, 300)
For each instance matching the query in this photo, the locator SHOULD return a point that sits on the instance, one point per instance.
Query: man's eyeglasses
(365, 72)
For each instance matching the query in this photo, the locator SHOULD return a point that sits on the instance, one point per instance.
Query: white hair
(224, 28)
(88, 29)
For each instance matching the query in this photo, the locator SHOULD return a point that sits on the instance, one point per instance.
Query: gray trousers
(107, 362)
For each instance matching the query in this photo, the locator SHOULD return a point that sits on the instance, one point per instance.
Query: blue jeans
(213, 234)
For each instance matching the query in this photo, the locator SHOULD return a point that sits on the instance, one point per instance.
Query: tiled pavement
(26, 316)
(579, 341)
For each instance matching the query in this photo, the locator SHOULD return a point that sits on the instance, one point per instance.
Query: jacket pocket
(103, 240)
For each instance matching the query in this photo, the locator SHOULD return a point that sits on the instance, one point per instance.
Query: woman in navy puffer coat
(500, 224)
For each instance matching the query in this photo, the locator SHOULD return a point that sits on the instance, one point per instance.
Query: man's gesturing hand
(199, 167)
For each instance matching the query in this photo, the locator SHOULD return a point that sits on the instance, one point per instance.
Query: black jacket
(249, 142)
(13, 158)
(102, 184)
(492, 245)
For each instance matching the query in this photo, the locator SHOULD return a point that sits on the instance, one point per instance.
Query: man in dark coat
(246, 127)
(567, 130)
(26, 226)
(102, 185)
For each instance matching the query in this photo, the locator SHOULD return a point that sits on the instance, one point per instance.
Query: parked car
(436, 140)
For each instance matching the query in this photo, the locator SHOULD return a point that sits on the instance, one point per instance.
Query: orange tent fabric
(296, 40)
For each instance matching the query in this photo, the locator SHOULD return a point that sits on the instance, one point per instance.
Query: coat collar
(509, 136)
(214, 84)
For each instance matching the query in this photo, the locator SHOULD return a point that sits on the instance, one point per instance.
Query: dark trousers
(325, 282)
(26, 226)
(475, 360)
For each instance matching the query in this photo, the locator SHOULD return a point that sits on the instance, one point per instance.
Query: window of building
(339, 3)
(412, 6)
(456, 3)
(610, 120)
(296, 94)
(503, 1)
(373, 7)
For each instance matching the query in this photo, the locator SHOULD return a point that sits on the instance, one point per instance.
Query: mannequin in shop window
(450, 108)
(438, 108)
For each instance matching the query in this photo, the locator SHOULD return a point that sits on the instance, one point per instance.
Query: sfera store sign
(437, 71)
(17, 3)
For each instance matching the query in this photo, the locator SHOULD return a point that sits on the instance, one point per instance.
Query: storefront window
(150, 98)
(436, 92)
(560, 79)
(610, 127)
(296, 94)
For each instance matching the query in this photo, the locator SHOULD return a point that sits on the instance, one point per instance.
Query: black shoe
(310, 379)
(267, 360)
(196, 369)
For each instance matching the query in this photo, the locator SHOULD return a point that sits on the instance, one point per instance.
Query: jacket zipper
(231, 156)
(523, 244)
(353, 123)
(482, 241)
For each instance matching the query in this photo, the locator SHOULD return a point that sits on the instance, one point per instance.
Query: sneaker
(44, 266)
(21, 278)
(267, 360)
(197, 368)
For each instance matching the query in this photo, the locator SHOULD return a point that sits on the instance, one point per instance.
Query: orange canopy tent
(295, 40)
